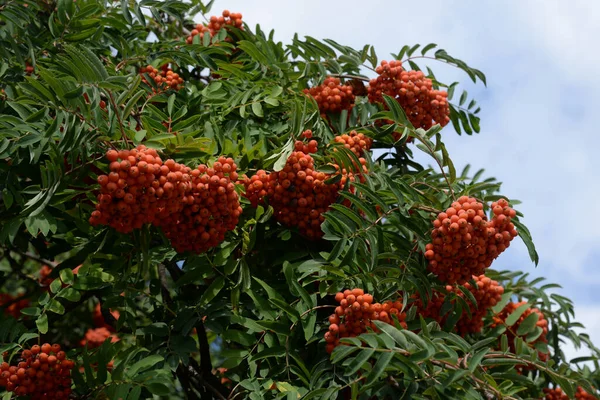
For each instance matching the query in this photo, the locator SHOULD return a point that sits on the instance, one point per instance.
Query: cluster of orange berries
(356, 313)
(464, 242)
(43, 373)
(14, 306)
(298, 193)
(215, 24)
(423, 105)
(220, 372)
(139, 188)
(331, 96)
(98, 318)
(95, 337)
(358, 143)
(210, 209)
(188, 204)
(557, 394)
(164, 79)
(44, 276)
(542, 322)
(487, 294)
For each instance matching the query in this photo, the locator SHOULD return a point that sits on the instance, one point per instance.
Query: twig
(182, 374)
(31, 256)
(361, 78)
(440, 165)
(174, 270)
(164, 287)
(208, 380)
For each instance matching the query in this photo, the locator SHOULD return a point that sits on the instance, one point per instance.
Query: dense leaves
(309, 274)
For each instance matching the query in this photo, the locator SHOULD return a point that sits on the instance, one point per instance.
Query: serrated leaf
(392, 332)
(212, 291)
(379, 368)
(144, 364)
(515, 315)
(359, 361)
(475, 361)
(527, 324)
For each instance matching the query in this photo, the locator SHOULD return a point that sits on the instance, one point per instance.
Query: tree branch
(31, 256)
(208, 380)
(183, 376)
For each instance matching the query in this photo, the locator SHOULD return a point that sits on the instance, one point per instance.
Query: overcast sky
(538, 134)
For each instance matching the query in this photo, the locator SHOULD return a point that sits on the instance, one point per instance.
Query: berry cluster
(414, 92)
(464, 242)
(486, 292)
(511, 332)
(210, 209)
(220, 373)
(43, 373)
(137, 189)
(95, 337)
(187, 204)
(215, 24)
(98, 318)
(356, 313)
(298, 193)
(12, 306)
(332, 96)
(358, 143)
(164, 79)
(557, 394)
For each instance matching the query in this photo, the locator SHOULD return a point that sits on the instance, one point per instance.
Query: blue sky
(539, 133)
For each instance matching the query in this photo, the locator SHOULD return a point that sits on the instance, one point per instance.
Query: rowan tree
(191, 209)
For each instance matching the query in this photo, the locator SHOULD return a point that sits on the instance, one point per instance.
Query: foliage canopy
(252, 305)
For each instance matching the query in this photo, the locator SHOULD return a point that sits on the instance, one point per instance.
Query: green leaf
(392, 332)
(55, 306)
(463, 98)
(515, 315)
(475, 361)
(427, 48)
(55, 286)
(253, 51)
(212, 291)
(69, 294)
(257, 109)
(379, 367)
(359, 361)
(526, 237)
(170, 104)
(158, 388)
(502, 303)
(243, 338)
(277, 351)
(67, 276)
(135, 393)
(144, 364)
(291, 311)
(528, 324)
(31, 311)
(42, 324)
